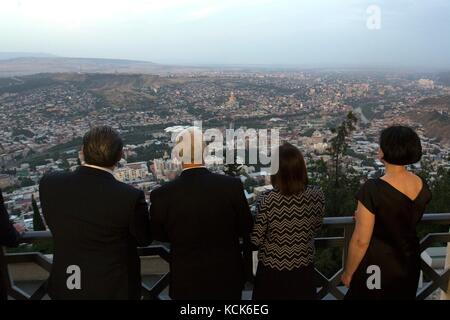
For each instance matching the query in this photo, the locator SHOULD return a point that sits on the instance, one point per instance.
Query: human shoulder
(126, 188)
(312, 188)
(420, 180)
(368, 194)
(266, 198)
(423, 181)
(426, 193)
(225, 178)
(165, 188)
(371, 184)
(234, 184)
(370, 187)
(56, 176)
(314, 192)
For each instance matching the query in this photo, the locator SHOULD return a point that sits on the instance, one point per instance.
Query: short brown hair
(292, 176)
(102, 146)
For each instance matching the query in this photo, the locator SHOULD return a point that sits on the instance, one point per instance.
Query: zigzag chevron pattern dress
(284, 232)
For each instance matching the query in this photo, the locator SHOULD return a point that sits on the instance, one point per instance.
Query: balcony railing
(325, 286)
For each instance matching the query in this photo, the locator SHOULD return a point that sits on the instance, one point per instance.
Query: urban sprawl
(43, 119)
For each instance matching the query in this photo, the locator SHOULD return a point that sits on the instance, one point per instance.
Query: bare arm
(365, 221)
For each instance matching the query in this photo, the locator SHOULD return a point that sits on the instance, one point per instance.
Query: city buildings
(42, 125)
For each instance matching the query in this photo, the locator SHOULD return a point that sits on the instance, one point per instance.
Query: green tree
(440, 202)
(250, 184)
(44, 246)
(339, 144)
(38, 223)
(26, 182)
(339, 201)
(65, 165)
(425, 169)
(339, 184)
(233, 169)
(440, 189)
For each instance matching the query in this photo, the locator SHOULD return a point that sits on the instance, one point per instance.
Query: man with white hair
(202, 215)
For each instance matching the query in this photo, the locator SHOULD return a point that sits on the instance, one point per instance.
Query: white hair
(190, 146)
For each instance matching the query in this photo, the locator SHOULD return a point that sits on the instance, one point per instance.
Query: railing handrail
(428, 218)
(332, 222)
(325, 285)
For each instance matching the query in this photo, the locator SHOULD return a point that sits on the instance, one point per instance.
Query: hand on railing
(346, 279)
(20, 228)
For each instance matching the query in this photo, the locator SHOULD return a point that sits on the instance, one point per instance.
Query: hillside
(115, 90)
(434, 115)
(15, 55)
(444, 78)
(439, 102)
(33, 65)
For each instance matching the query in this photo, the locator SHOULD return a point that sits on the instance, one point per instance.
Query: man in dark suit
(202, 215)
(9, 236)
(9, 233)
(97, 223)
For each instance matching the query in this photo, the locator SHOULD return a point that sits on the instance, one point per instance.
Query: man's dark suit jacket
(8, 237)
(202, 215)
(97, 222)
(8, 234)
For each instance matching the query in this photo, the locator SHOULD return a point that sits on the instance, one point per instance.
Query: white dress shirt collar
(196, 167)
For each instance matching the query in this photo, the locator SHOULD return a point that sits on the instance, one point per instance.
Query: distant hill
(33, 65)
(444, 78)
(441, 102)
(15, 55)
(22, 66)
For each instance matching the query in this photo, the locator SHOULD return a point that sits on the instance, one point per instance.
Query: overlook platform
(155, 270)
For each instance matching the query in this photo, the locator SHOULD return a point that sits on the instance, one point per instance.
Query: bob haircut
(292, 177)
(400, 145)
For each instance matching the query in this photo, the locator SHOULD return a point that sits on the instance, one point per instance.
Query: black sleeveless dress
(394, 247)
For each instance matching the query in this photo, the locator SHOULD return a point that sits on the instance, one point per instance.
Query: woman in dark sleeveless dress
(384, 254)
(287, 220)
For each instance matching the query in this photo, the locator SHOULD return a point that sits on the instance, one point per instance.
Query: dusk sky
(310, 33)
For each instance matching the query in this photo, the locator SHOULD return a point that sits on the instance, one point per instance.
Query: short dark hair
(102, 146)
(400, 145)
(292, 176)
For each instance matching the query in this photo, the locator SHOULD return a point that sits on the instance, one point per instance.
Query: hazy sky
(287, 32)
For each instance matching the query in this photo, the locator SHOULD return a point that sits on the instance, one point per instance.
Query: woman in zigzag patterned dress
(287, 220)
